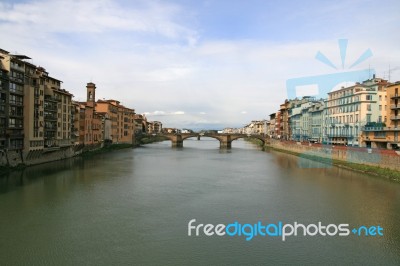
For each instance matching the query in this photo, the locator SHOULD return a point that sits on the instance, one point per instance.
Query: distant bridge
(225, 140)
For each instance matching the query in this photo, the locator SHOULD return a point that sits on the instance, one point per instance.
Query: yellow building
(386, 135)
(39, 113)
(351, 109)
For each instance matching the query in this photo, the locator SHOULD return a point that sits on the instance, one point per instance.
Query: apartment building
(154, 127)
(38, 109)
(4, 108)
(316, 121)
(349, 110)
(140, 124)
(126, 126)
(284, 120)
(272, 126)
(12, 100)
(385, 134)
(57, 113)
(122, 120)
(300, 118)
(393, 114)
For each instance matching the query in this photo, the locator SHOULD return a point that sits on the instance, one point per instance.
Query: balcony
(50, 117)
(379, 137)
(17, 91)
(14, 102)
(49, 98)
(16, 114)
(394, 106)
(16, 147)
(340, 135)
(395, 96)
(50, 128)
(14, 134)
(17, 67)
(17, 80)
(380, 129)
(395, 117)
(50, 108)
(373, 128)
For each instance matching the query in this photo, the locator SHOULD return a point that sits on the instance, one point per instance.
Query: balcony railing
(379, 137)
(373, 128)
(50, 108)
(15, 133)
(395, 117)
(380, 128)
(52, 99)
(16, 79)
(16, 102)
(50, 117)
(396, 95)
(16, 67)
(17, 91)
(394, 106)
(16, 114)
(340, 135)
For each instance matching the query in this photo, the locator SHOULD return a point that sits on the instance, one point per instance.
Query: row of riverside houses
(39, 119)
(364, 115)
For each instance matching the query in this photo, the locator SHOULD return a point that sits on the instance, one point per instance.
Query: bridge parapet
(225, 140)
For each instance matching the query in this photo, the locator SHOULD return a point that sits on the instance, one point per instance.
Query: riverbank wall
(381, 158)
(14, 158)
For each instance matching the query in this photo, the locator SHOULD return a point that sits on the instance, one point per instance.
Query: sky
(199, 64)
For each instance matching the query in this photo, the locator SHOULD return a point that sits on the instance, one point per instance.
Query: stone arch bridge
(225, 140)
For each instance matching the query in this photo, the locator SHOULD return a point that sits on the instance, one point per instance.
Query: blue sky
(198, 64)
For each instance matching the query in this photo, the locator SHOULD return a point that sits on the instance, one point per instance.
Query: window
(380, 107)
(16, 88)
(368, 118)
(369, 107)
(368, 97)
(380, 134)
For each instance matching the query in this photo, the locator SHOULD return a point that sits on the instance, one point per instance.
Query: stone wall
(375, 157)
(14, 158)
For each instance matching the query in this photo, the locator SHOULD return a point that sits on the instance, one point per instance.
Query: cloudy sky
(199, 64)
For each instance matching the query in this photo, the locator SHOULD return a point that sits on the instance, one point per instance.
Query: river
(133, 206)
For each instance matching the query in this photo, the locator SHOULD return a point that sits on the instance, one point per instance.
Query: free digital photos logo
(333, 130)
(281, 230)
(321, 85)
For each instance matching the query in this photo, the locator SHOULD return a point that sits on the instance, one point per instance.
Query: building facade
(36, 111)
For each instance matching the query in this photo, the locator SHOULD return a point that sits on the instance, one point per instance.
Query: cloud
(163, 113)
(96, 16)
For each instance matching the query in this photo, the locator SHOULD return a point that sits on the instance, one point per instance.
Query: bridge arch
(225, 140)
(259, 137)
